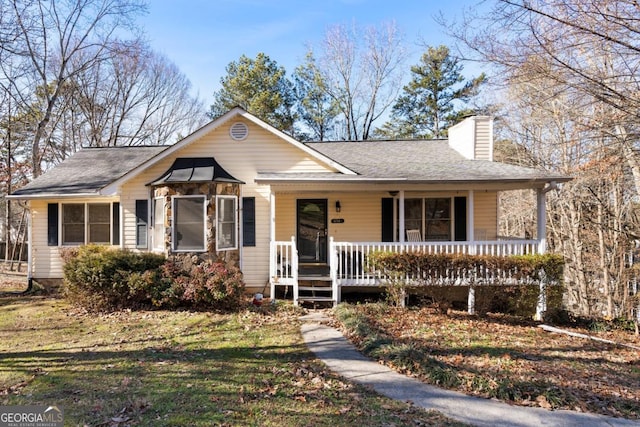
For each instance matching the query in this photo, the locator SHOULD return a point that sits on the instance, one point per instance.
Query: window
(432, 216)
(99, 224)
(226, 231)
(73, 224)
(87, 223)
(158, 223)
(438, 219)
(189, 223)
(142, 218)
(413, 215)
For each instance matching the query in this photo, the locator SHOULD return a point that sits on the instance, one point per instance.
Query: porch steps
(315, 289)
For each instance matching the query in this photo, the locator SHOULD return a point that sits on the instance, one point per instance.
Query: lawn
(498, 356)
(160, 368)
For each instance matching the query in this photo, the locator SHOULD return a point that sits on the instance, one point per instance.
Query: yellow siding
(361, 213)
(46, 262)
(486, 213)
(483, 138)
(262, 151)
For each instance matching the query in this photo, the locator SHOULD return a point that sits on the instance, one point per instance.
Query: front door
(312, 231)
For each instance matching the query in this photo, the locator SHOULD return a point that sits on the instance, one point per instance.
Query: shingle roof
(420, 161)
(88, 170)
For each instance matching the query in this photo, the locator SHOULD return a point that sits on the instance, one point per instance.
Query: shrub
(99, 278)
(210, 285)
(429, 268)
(432, 269)
(102, 279)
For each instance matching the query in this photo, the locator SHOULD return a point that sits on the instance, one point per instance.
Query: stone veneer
(211, 190)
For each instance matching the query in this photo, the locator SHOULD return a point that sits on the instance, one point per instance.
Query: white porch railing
(348, 262)
(283, 266)
(349, 259)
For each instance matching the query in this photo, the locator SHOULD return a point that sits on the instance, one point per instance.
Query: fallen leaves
(508, 358)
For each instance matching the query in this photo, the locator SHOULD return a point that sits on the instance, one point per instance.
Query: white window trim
(173, 223)
(153, 214)
(235, 222)
(86, 223)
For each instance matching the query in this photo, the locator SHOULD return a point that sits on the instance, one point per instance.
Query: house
(294, 216)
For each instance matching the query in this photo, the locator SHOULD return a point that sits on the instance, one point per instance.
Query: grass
(500, 357)
(153, 368)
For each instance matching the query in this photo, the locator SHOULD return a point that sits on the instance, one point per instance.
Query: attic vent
(239, 131)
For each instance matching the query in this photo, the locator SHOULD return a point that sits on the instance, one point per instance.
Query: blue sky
(203, 36)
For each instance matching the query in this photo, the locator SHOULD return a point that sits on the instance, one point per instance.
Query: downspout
(29, 253)
(240, 227)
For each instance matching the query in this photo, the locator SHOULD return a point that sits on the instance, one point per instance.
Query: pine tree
(432, 101)
(259, 86)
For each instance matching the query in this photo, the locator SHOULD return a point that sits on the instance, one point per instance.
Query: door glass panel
(312, 231)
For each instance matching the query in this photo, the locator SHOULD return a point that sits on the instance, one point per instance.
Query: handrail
(348, 262)
(283, 265)
(351, 268)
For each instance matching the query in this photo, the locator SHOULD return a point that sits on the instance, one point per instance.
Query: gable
(264, 149)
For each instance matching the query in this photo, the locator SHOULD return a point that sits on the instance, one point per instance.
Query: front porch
(348, 266)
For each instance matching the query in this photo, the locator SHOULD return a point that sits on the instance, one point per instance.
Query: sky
(203, 36)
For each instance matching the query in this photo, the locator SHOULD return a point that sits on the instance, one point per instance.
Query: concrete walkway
(330, 346)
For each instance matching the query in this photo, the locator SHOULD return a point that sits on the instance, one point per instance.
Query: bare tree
(590, 46)
(569, 70)
(44, 38)
(135, 97)
(360, 69)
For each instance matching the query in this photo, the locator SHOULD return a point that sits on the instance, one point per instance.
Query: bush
(99, 278)
(208, 285)
(430, 267)
(428, 270)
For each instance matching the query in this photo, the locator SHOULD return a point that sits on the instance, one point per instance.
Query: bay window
(227, 226)
(189, 223)
(158, 223)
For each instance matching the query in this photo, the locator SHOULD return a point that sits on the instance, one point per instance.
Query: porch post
(541, 219)
(470, 222)
(542, 248)
(541, 307)
(30, 248)
(471, 300)
(401, 216)
(272, 216)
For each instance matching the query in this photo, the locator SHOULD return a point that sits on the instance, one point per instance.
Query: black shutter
(142, 218)
(52, 224)
(460, 218)
(248, 221)
(115, 223)
(387, 219)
